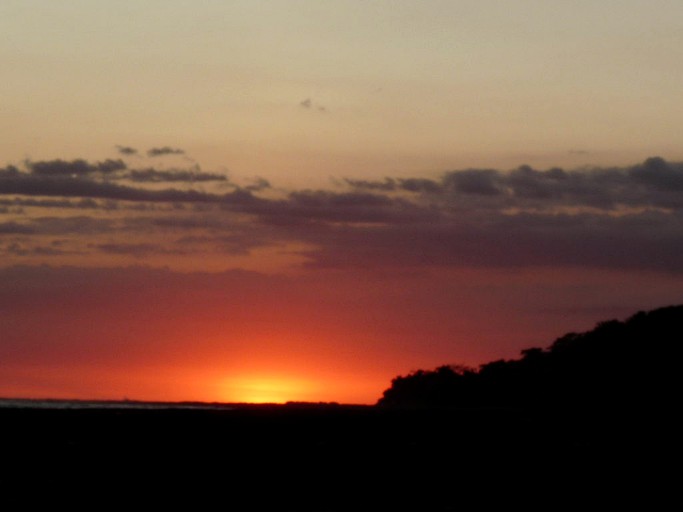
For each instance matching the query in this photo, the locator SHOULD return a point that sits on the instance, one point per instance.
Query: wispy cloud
(74, 168)
(151, 175)
(126, 150)
(165, 150)
(310, 105)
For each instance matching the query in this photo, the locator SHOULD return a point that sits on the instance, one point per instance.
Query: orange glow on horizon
(268, 389)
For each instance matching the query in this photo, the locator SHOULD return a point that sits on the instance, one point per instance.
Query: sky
(300, 200)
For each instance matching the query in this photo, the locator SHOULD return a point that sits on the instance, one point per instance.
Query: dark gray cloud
(22, 249)
(63, 186)
(137, 250)
(240, 242)
(505, 242)
(9, 172)
(166, 150)
(620, 217)
(654, 183)
(80, 225)
(630, 217)
(159, 176)
(14, 228)
(258, 184)
(387, 185)
(190, 223)
(127, 150)
(391, 185)
(420, 185)
(75, 167)
(526, 182)
(483, 182)
(22, 202)
(659, 174)
(326, 206)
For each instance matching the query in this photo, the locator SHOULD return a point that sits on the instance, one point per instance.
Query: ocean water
(23, 403)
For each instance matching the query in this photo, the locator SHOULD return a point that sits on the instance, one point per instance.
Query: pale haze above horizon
(305, 89)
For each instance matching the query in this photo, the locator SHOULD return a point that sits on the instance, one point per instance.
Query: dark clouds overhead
(654, 183)
(628, 217)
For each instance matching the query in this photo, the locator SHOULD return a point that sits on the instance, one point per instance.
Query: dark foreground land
(330, 457)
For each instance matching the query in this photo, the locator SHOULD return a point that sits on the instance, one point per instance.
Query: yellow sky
(314, 90)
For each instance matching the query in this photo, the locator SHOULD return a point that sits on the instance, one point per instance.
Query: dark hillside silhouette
(635, 363)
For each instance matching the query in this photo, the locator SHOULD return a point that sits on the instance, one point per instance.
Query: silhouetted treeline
(617, 364)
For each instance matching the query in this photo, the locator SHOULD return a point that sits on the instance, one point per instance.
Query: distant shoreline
(62, 403)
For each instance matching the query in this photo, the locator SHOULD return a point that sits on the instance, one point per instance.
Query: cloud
(326, 206)
(420, 185)
(65, 185)
(137, 250)
(9, 172)
(112, 169)
(655, 183)
(80, 225)
(86, 203)
(310, 105)
(159, 176)
(258, 184)
(166, 150)
(484, 182)
(126, 150)
(659, 174)
(18, 249)
(74, 167)
(507, 242)
(387, 185)
(617, 217)
(630, 217)
(13, 228)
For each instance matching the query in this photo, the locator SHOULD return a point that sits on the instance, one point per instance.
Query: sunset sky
(300, 200)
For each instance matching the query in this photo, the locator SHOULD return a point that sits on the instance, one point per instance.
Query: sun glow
(259, 390)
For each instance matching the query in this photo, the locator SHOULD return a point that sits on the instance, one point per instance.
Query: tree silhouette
(615, 365)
